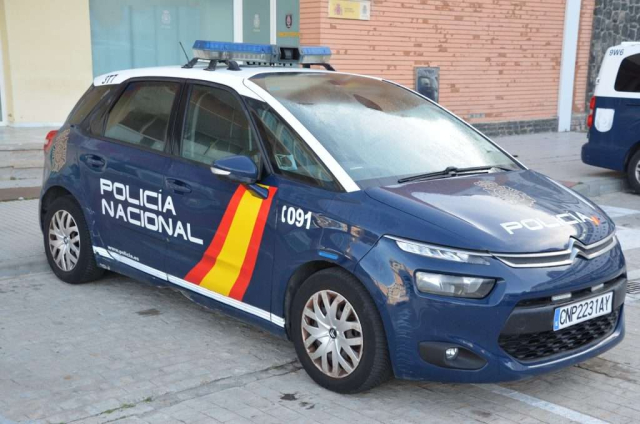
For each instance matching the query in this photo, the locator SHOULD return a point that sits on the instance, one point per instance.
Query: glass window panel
(256, 21)
(216, 127)
(141, 115)
(141, 33)
(628, 79)
(379, 132)
(87, 103)
(288, 153)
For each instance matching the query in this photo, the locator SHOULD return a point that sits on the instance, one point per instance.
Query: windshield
(377, 131)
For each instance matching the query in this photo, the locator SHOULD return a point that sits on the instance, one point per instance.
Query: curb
(600, 187)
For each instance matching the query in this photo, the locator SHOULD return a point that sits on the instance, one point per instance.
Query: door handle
(94, 161)
(178, 186)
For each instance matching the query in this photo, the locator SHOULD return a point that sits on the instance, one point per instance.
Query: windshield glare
(379, 132)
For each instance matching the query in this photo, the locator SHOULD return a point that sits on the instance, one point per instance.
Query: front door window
(216, 127)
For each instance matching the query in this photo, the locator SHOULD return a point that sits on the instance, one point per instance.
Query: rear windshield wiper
(450, 171)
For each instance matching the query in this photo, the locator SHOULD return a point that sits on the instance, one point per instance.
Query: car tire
(67, 243)
(327, 331)
(633, 172)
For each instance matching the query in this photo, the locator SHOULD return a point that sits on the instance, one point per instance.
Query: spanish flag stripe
(226, 269)
(241, 284)
(211, 254)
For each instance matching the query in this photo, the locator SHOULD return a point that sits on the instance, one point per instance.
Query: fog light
(451, 353)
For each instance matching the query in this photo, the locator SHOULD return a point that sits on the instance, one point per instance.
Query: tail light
(592, 108)
(49, 139)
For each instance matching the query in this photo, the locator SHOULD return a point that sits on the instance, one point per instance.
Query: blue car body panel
(411, 317)
(514, 212)
(614, 148)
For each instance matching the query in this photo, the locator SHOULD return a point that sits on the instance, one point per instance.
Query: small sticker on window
(286, 162)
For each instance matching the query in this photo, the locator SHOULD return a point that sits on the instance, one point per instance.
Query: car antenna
(184, 51)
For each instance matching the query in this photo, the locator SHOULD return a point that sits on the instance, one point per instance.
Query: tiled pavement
(119, 350)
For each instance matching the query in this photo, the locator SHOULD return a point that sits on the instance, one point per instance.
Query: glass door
(140, 33)
(256, 21)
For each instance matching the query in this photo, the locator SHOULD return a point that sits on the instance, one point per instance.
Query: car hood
(515, 212)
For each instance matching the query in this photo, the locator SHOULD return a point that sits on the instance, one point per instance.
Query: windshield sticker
(508, 194)
(144, 208)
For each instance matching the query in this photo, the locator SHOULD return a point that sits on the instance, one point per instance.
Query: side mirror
(240, 169)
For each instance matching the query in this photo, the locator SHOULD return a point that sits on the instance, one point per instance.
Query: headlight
(444, 253)
(456, 286)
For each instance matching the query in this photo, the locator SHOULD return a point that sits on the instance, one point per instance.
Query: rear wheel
(67, 242)
(338, 333)
(633, 172)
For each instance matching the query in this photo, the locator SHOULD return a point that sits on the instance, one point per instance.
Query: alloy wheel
(64, 240)
(332, 334)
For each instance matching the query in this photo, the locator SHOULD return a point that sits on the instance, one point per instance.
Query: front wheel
(338, 333)
(633, 172)
(67, 242)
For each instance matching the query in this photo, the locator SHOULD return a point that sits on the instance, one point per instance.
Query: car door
(306, 229)
(227, 251)
(122, 168)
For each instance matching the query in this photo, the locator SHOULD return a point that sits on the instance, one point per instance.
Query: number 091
(295, 216)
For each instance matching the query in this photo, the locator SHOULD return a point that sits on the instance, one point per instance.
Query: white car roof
(222, 75)
(605, 83)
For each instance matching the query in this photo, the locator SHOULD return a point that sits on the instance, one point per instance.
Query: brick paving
(122, 351)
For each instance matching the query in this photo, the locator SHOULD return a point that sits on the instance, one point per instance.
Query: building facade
(499, 61)
(52, 50)
(506, 66)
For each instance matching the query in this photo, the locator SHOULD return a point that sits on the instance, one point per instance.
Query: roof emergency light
(260, 53)
(314, 55)
(215, 50)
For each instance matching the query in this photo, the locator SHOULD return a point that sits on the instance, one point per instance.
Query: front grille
(559, 257)
(535, 346)
(576, 295)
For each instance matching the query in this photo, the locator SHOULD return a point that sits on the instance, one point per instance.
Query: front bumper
(515, 308)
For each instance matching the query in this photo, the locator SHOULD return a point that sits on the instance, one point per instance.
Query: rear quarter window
(87, 103)
(628, 79)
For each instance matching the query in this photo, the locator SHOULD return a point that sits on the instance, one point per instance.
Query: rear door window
(628, 79)
(142, 113)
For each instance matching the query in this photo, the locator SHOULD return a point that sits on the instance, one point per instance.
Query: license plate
(578, 312)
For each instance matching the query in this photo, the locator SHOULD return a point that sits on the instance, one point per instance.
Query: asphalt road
(119, 350)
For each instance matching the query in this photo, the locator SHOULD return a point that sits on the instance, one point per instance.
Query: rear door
(228, 252)
(122, 167)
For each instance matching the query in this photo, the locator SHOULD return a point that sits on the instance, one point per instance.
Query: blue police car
(614, 118)
(377, 231)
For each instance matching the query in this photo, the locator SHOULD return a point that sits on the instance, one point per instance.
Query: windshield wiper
(449, 171)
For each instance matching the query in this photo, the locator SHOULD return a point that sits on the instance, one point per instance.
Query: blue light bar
(262, 53)
(315, 54)
(319, 51)
(210, 50)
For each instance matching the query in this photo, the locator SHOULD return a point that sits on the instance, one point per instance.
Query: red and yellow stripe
(228, 263)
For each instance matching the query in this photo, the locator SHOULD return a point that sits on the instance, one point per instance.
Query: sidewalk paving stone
(120, 351)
